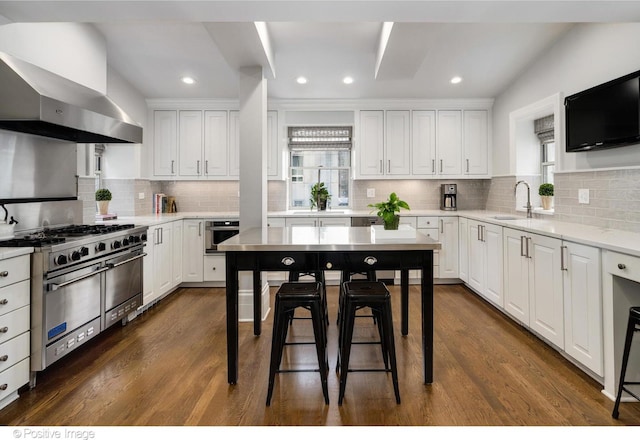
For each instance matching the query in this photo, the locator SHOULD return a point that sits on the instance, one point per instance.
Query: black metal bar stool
(345, 276)
(632, 327)
(359, 294)
(318, 276)
(289, 297)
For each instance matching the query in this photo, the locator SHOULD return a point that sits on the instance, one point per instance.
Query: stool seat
(633, 326)
(372, 294)
(289, 297)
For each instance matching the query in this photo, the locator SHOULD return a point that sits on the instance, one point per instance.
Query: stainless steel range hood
(36, 101)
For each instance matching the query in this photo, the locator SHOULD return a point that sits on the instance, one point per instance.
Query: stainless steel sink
(506, 217)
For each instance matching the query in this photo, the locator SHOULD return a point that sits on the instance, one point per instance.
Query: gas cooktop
(62, 234)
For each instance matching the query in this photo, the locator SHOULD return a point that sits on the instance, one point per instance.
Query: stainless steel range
(84, 279)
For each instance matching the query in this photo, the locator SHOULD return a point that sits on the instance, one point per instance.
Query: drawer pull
(4, 274)
(4, 358)
(4, 329)
(3, 387)
(288, 261)
(329, 265)
(213, 268)
(622, 266)
(370, 260)
(4, 302)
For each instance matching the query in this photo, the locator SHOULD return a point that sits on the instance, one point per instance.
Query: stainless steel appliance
(448, 195)
(217, 231)
(84, 279)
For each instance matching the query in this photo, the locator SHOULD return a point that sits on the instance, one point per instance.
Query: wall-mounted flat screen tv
(605, 116)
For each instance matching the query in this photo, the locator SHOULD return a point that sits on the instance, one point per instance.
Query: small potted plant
(545, 191)
(319, 196)
(103, 196)
(387, 211)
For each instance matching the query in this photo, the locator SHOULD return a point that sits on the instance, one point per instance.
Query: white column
(253, 175)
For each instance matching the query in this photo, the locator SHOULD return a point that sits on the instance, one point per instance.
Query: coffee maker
(448, 194)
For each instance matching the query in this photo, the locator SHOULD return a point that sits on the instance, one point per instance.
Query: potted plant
(545, 191)
(103, 196)
(319, 196)
(387, 210)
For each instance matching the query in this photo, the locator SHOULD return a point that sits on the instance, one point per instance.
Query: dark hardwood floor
(168, 367)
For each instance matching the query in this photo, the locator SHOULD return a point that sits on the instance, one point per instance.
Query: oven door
(71, 300)
(123, 286)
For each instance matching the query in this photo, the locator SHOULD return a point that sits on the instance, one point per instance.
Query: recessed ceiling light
(188, 80)
(301, 80)
(347, 80)
(456, 80)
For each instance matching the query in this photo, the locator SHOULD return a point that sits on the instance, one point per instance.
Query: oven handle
(111, 266)
(54, 286)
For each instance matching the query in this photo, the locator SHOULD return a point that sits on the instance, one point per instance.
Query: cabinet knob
(4, 273)
(288, 261)
(622, 266)
(329, 265)
(3, 387)
(370, 260)
(4, 329)
(213, 268)
(4, 358)
(4, 301)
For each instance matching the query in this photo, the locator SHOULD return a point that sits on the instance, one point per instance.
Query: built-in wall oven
(217, 231)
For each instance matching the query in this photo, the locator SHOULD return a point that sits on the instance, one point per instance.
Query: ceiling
(488, 43)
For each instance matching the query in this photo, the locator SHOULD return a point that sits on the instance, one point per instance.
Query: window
(544, 130)
(319, 154)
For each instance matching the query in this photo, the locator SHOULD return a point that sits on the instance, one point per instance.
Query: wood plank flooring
(168, 367)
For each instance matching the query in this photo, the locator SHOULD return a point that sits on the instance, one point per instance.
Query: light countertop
(10, 252)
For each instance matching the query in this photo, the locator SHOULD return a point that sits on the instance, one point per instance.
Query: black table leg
(404, 301)
(427, 316)
(257, 303)
(232, 318)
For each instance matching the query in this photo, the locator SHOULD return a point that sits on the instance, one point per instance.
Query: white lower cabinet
(484, 265)
(215, 267)
(163, 263)
(463, 249)
(533, 279)
(318, 221)
(583, 338)
(448, 254)
(193, 251)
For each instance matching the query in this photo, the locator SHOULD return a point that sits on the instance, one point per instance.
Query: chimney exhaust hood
(36, 101)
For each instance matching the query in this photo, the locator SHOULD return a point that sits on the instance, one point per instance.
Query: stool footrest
(369, 370)
(304, 370)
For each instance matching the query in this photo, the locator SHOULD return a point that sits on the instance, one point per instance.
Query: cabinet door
(273, 146)
(215, 267)
(215, 143)
(162, 260)
(423, 142)
(190, 143)
(334, 221)
(492, 237)
(583, 306)
(234, 143)
(397, 143)
(476, 142)
(371, 145)
(301, 221)
(165, 142)
(448, 255)
(193, 251)
(545, 288)
(176, 253)
(449, 135)
(148, 262)
(476, 257)
(463, 249)
(516, 275)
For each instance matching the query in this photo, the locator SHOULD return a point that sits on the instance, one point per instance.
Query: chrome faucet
(528, 196)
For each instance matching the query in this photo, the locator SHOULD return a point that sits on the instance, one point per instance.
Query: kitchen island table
(343, 248)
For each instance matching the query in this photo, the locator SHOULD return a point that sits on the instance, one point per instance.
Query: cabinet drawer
(15, 322)
(431, 232)
(13, 270)
(14, 350)
(13, 378)
(362, 261)
(288, 261)
(427, 222)
(622, 265)
(215, 268)
(14, 296)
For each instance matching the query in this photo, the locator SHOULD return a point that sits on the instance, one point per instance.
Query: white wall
(75, 51)
(588, 55)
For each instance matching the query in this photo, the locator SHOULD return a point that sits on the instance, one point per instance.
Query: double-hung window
(319, 154)
(545, 132)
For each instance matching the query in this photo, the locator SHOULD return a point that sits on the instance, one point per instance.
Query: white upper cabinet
(449, 138)
(190, 143)
(397, 143)
(165, 138)
(215, 143)
(476, 142)
(423, 129)
(385, 141)
(371, 145)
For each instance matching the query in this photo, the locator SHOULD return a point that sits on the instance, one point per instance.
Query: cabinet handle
(480, 239)
(4, 274)
(213, 268)
(288, 261)
(389, 166)
(206, 167)
(370, 260)
(197, 167)
(562, 259)
(4, 358)
(528, 249)
(3, 387)
(522, 253)
(467, 165)
(381, 170)
(4, 302)
(199, 229)
(433, 166)
(4, 329)
(441, 226)
(172, 166)
(441, 165)
(622, 266)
